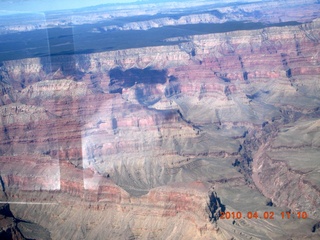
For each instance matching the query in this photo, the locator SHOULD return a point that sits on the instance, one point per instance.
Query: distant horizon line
(35, 7)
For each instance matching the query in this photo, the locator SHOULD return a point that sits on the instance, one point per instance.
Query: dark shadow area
(222, 76)
(80, 39)
(316, 227)
(19, 229)
(215, 207)
(124, 79)
(245, 76)
(253, 96)
(173, 89)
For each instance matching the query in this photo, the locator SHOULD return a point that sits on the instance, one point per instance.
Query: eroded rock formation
(131, 146)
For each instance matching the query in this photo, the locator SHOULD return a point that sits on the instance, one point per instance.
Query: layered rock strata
(116, 151)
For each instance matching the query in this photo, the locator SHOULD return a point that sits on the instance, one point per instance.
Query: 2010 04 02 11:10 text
(264, 215)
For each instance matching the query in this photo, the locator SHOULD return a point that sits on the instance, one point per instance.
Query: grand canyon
(156, 120)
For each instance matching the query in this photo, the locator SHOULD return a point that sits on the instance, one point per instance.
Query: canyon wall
(134, 143)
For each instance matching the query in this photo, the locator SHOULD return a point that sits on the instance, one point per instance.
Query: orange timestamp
(264, 215)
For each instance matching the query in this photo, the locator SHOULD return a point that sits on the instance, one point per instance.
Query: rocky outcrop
(8, 225)
(13, 228)
(215, 207)
(156, 15)
(289, 162)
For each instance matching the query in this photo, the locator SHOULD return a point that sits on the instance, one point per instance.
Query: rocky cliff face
(157, 15)
(129, 143)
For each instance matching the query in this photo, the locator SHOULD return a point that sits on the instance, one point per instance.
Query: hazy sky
(47, 5)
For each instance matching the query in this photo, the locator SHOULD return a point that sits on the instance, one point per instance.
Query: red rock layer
(69, 141)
